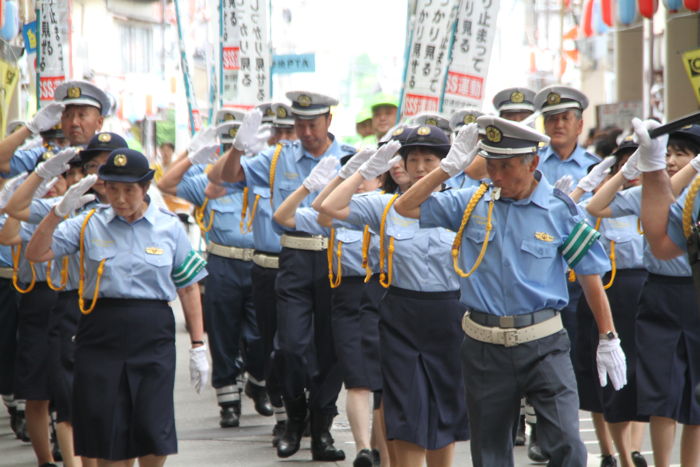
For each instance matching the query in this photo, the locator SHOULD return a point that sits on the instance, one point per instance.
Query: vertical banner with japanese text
(428, 56)
(52, 16)
(245, 53)
(195, 119)
(471, 53)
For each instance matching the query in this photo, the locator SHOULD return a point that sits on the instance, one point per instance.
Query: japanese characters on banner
(471, 53)
(428, 56)
(53, 36)
(245, 53)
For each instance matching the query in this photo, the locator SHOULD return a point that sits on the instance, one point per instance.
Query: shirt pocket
(538, 259)
(97, 254)
(158, 256)
(262, 191)
(226, 210)
(286, 188)
(348, 235)
(477, 234)
(446, 236)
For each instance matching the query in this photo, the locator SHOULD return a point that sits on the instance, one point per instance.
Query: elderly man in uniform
(516, 251)
(305, 356)
(515, 104)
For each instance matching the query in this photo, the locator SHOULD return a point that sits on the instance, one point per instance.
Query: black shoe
(520, 435)
(534, 452)
(638, 459)
(376, 457)
(363, 459)
(608, 461)
(230, 415)
(296, 421)
(277, 432)
(322, 448)
(259, 396)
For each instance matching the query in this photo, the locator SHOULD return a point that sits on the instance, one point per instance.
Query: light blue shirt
(629, 202)
(140, 257)
(226, 228)
(24, 273)
(5, 250)
(422, 260)
(25, 160)
(462, 180)
(523, 270)
(265, 238)
(675, 220)
(294, 164)
(553, 167)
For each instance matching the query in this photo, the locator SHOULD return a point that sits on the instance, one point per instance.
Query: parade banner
(471, 53)
(691, 62)
(52, 18)
(195, 118)
(428, 58)
(245, 53)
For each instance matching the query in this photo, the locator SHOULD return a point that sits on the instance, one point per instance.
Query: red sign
(416, 103)
(47, 86)
(231, 61)
(197, 117)
(465, 85)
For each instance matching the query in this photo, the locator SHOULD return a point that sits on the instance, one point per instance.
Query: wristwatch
(610, 335)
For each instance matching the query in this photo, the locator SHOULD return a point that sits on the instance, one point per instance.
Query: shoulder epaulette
(167, 211)
(566, 199)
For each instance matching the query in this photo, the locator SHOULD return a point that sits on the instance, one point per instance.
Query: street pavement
(203, 443)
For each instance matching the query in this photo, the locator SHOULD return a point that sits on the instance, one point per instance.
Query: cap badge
(269, 112)
(431, 121)
(304, 100)
(423, 131)
(398, 131)
(553, 98)
(120, 160)
(545, 237)
(104, 137)
(281, 112)
(232, 132)
(493, 134)
(74, 92)
(469, 118)
(228, 117)
(517, 97)
(47, 155)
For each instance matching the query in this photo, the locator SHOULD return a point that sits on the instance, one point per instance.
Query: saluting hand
(55, 165)
(652, 152)
(629, 169)
(463, 150)
(199, 367)
(597, 174)
(44, 187)
(46, 117)
(381, 161)
(248, 139)
(356, 161)
(75, 197)
(323, 173)
(202, 139)
(611, 361)
(10, 187)
(565, 183)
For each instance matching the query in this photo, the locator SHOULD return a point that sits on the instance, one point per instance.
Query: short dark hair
(681, 143)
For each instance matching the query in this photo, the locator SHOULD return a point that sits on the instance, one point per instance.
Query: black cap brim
(127, 178)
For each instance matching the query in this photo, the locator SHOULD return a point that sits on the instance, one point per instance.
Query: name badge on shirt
(545, 237)
(152, 250)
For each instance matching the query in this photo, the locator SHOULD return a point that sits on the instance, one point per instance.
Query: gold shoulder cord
(688, 207)
(64, 275)
(385, 278)
(366, 240)
(457, 244)
(334, 281)
(16, 252)
(613, 265)
(639, 226)
(100, 271)
(244, 208)
(200, 212)
(273, 168)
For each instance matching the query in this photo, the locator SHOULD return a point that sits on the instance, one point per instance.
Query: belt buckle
(510, 337)
(506, 321)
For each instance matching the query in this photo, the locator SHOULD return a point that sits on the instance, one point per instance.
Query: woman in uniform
(419, 332)
(134, 257)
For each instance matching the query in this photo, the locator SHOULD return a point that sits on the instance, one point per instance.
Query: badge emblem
(281, 112)
(153, 250)
(269, 112)
(232, 132)
(517, 97)
(469, 118)
(423, 131)
(229, 117)
(304, 100)
(47, 155)
(553, 98)
(104, 137)
(398, 131)
(120, 160)
(74, 93)
(545, 237)
(493, 134)
(431, 121)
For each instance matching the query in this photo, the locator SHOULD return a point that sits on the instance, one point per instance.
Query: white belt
(244, 254)
(5, 273)
(266, 261)
(510, 337)
(314, 243)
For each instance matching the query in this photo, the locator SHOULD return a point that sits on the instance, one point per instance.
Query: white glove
(652, 152)
(247, 137)
(463, 150)
(610, 360)
(597, 174)
(10, 187)
(355, 162)
(204, 155)
(56, 165)
(564, 184)
(199, 367)
(629, 169)
(46, 117)
(381, 161)
(323, 173)
(75, 197)
(44, 187)
(260, 141)
(695, 162)
(204, 138)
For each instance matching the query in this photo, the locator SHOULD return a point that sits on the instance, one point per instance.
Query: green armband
(578, 243)
(183, 274)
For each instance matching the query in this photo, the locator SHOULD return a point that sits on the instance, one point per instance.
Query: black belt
(513, 321)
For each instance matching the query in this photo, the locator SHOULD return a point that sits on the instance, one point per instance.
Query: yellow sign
(9, 74)
(691, 62)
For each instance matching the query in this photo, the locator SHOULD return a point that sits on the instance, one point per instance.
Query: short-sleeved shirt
(5, 250)
(25, 160)
(523, 269)
(462, 180)
(226, 229)
(675, 220)
(146, 259)
(629, 202)
(553, 167)
(421, 258)
(265, 238)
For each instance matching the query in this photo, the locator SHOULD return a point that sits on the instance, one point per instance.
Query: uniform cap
(80, 92)
(283, 115)
(426, 136)
(102, 142)
(227, 135)
(363, 116)
(309, 105)
(627, 145)
(464, 116)
(126, 165)
(431, 118)
(555, 99)
(398, 133)
(54, 132)
(514, 100)
(381, 100)
(268, 115)
(227, 115)
(690, 132)
(505, 138)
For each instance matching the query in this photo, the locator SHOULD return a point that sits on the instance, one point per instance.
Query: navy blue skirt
(124, 379)
(668, 349)
(64, 324)
(423, 389)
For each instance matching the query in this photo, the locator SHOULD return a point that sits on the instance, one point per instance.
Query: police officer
(431, 118)
(477, 170)
(125, 355)
(515, 258)
(305, 344)
(514, 104)
(282, 124)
